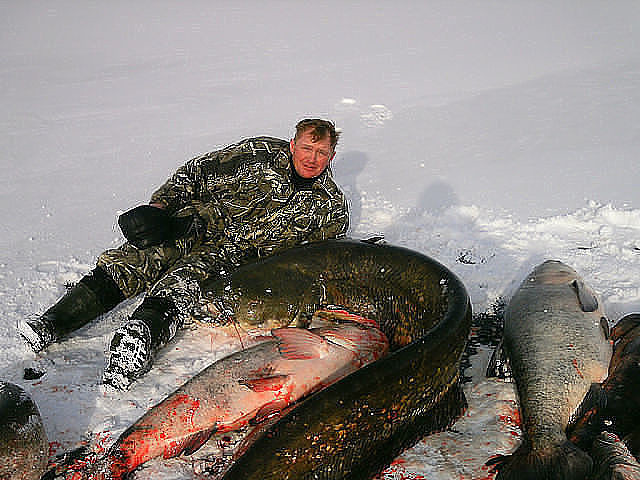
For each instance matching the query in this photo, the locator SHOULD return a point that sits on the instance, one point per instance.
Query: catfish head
(262, 296)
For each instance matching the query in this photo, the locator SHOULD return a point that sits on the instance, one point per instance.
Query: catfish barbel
(555, 337)
(357, 426)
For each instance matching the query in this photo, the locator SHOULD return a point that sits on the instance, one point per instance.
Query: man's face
(311, 158)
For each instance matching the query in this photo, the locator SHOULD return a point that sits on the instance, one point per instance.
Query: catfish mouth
(222, 311)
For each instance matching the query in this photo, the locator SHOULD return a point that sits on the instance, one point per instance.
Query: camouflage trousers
(173, 270)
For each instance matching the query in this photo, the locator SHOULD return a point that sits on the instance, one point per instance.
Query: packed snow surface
(488, 135)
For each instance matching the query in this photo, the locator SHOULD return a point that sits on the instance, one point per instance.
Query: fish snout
(552, 272)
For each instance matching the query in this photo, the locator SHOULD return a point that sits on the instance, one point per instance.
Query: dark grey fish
(357, 426)
(24, 449)
(614, 405)
(555, 338)
(613, 460)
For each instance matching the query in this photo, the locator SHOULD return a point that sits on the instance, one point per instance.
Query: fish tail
(564, 461)
(80, 464)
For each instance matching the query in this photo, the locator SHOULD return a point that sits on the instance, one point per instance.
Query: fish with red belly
(248, 386)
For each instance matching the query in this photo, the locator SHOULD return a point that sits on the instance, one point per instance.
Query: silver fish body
(24, 449)
(250, 385)
(555, 337)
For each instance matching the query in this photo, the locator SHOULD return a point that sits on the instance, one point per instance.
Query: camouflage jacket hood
(248, 200)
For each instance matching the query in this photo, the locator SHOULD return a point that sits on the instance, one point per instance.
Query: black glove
(146, 226)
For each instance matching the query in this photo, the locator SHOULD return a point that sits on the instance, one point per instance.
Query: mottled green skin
(356, 427)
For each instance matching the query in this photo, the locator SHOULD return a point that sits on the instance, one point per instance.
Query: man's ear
(292, 143)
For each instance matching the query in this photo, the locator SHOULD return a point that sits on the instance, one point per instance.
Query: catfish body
(357, 426)
(24, 449)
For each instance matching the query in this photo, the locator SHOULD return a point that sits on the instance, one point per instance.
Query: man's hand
(146, 226)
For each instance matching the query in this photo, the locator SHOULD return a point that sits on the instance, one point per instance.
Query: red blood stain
(512, 418)
(353, 317)
(575, 365)
(146, 441)
(489, 476)
(53, 448)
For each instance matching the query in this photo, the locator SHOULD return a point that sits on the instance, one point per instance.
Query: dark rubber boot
(133, 346)
(96, 293)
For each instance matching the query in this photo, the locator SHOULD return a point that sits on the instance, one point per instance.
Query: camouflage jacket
(248, 201)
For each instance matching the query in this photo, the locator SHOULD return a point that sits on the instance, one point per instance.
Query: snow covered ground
(489, 135)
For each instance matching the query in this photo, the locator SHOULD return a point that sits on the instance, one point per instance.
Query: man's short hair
(319, 130)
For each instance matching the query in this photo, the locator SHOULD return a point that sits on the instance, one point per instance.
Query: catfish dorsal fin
(586, 297)
(299, 344)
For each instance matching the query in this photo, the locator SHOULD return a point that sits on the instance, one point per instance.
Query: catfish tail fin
(559, 462)
(79, 464)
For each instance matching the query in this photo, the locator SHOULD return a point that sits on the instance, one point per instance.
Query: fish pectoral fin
(269, 383)
(604, 326)
(269, 410)
(364, 342)
(496, 462)
(586, 297)
(300, 344)
(188, 445)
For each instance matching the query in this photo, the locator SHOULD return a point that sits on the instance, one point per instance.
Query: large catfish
(357, 426)
(24, 449)
(555, 338)
(249, 385)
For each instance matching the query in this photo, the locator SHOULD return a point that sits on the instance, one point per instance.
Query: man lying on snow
(218, 211)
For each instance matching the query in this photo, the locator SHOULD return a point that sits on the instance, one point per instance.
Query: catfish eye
(254, 306)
